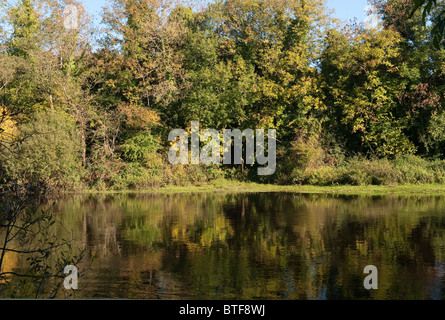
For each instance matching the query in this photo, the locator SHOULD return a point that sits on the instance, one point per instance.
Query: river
(256, 245)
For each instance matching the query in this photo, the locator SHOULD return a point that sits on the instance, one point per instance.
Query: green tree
(421, 70)
(361, 85)
(436, 9)
(50, 153)
(146, 69)
(26, 28)
(18, 61)
(266, 54)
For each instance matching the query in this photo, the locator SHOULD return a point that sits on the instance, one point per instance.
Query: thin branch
(28, 275)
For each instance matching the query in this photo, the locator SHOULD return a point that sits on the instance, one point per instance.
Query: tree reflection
(32, 256)
(260, 246)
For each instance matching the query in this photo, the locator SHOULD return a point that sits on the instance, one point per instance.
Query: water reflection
(258, 246)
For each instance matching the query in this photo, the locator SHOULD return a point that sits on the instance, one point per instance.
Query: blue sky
(349, 9)
(344, 9)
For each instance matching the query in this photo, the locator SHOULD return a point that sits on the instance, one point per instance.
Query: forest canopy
(92, 106)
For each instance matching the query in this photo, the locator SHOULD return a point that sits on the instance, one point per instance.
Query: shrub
(134, 176)
(49, 151)
(435, 141)
(359, 171)
(105, 173)
(438, 168)
(414, 170)
(139, 148)
(322, 176)
(355, 172)
(314, 159)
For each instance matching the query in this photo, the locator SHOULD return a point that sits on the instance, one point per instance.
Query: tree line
(91, 107)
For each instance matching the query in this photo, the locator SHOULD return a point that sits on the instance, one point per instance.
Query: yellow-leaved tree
(8, 127)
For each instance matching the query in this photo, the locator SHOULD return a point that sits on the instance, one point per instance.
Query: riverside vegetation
(91, 108)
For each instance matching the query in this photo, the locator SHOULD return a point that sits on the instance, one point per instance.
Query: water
(257, 246)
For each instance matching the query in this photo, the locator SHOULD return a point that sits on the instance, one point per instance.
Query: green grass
(249, 187)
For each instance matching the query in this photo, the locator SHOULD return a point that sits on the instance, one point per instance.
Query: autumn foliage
(334, 92)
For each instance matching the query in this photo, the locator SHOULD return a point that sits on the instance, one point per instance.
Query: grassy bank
(407, 175)
(358, 175)
(234, 186)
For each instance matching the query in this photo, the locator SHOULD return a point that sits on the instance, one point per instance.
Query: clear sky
(344, 9)
(349, 9)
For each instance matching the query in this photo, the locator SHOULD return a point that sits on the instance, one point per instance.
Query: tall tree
(26, 28)
(435, 11)
(265, 60)
(361, 84)
(147, 72)
(421, 68)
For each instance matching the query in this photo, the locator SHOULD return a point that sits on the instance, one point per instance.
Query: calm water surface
(257, 246)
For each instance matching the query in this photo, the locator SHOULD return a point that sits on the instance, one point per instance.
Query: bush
(314, 159)
(322, 176)
(414, 170)
(438, 168)
(105, 173)
(118, 175)
(182, 175)
(135, 176)
(49, 152)
(359, 171)
(139, 148)
(435, 141)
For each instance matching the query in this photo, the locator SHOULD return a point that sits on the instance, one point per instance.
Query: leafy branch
(427, 7)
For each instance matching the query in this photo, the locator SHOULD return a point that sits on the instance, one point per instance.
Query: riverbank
(249, 187)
